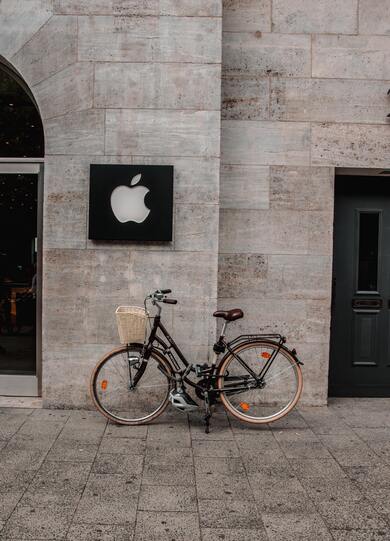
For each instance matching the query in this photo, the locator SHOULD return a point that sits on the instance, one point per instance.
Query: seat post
(219, 346)
(222, 335)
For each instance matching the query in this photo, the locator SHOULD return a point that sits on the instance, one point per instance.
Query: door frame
(344, 172)
(19, 384)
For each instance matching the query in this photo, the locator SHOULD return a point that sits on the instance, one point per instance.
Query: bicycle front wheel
(129, 390)
(276, 394)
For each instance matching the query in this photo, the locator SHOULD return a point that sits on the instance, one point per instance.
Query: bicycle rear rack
(254, 337)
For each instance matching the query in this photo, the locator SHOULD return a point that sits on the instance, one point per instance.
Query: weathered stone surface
(320, 227)
(274, 276)
(298, 320)
(349, 145)
(343, 487)
(268, 143)
(311, 16)
(56, 483)
(67, 174)
(157, 86)
(65, 220)
(295, 232)
(244, 187)
(86, 276)
(18, 26)
(162, 133)
(100, 325)
(245, 97)
(195, 325)
(301, 188)
(356, 57)
(114, 502)
(241, 274)
(29, 522)
(62, 363)
(299, 277)
(215, 534)
(374, 17)
(68, 90)
(58, 39)
(331, 100)
(201, 8)
(168, 498)
(76, 133)
(262, 54)
(166, 526)
(86, 532)
(83, 7)
(300, 526)
(189, 39)
(251, 231)
(196, 228)
(121, 39)
(196, 179)
(150, 271)
(143, 39)
(246, 15)
(228, 514)
(68, 266)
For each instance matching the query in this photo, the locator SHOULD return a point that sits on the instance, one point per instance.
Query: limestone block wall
(121, 82)
(304, 86)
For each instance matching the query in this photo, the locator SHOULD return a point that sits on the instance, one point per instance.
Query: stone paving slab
(319, 474)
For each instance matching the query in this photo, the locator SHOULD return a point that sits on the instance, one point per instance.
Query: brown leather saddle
(229, 315)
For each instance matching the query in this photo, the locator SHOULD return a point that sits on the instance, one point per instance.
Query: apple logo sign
(128, 203)
(131, 202)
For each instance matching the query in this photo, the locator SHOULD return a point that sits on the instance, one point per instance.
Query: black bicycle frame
(211, 372)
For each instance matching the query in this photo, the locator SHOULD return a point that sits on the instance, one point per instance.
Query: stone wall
(121, 81)
(304, 88)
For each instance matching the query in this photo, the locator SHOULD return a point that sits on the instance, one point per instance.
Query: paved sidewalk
(321, 474)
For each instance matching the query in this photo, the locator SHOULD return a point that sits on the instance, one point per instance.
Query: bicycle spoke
(114, 394)
(266, 401)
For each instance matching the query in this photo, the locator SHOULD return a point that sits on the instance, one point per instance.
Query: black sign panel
(131, 202)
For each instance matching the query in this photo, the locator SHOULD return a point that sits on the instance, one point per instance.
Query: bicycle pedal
(182, 401)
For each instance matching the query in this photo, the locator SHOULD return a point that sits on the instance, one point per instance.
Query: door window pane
(368, 251)
(18, 232)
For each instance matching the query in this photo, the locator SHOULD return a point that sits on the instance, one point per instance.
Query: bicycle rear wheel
(278, 392)
(129, 390)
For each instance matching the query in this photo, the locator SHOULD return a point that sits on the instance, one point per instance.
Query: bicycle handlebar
(169, 301)
(159, 296)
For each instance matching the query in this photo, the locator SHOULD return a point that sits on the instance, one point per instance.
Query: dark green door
(360, 353)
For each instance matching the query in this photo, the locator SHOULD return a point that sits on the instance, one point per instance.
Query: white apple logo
(128, 203)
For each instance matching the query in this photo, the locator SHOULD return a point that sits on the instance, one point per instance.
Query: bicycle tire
(241, 407)
(100, 398)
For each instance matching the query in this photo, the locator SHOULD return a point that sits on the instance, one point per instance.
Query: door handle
(376, 304)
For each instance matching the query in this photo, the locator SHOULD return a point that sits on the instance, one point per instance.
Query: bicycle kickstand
(207, 415)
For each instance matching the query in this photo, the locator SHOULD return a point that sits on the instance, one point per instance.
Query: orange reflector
(266, 355)
(244, 406)
(104, 384)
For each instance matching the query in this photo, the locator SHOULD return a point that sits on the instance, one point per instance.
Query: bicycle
(258, 379)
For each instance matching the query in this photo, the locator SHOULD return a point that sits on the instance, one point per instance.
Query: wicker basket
(131, 322)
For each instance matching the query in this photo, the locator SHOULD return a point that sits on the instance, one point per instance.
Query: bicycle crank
(200, 393)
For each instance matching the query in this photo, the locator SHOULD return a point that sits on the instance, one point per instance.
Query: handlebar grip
(166, 291)
(170, 301)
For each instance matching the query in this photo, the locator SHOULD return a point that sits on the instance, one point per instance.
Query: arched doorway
(21, 162)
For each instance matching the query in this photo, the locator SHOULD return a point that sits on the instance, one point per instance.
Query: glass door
(20, 265)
